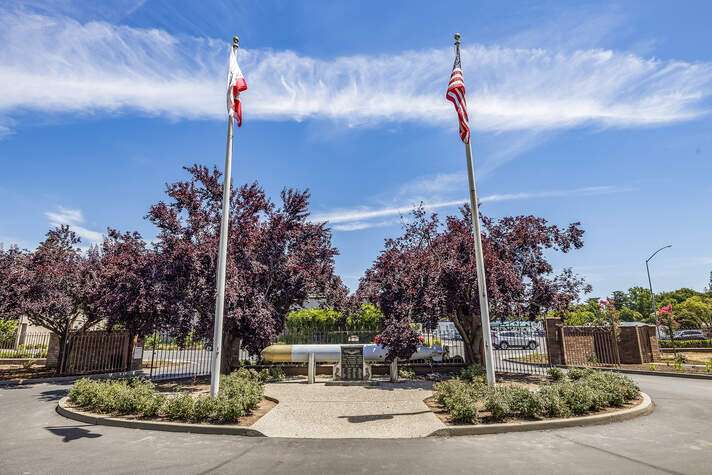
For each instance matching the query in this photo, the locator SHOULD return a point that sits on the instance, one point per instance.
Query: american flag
(456, 95)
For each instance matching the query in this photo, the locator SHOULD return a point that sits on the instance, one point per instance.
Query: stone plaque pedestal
(352, 365)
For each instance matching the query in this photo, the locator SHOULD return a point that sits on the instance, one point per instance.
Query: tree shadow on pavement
(379, 417)
(52, 395)
(70, 433)
(403, 384)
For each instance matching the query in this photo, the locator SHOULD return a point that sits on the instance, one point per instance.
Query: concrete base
(353, 383)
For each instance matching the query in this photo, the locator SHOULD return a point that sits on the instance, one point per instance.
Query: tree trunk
(472, 341)
(62, 355)
(474, 349)
(230, 355)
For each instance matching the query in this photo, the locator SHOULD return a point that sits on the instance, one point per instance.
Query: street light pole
(652, 295)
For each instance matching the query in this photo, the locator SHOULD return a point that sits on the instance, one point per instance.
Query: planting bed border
(645, 407)
(91, 418)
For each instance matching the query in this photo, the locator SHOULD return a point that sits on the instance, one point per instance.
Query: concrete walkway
(328, 412)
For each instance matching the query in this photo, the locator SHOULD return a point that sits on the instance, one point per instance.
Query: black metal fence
(164, 358)
(517, 349)
(24, 345)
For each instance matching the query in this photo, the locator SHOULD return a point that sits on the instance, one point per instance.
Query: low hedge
(239, 394)
(580, 392)
(682, 344)
(23, 353)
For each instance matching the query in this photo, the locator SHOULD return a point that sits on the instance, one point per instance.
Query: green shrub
(552, 404)
(203, 408)
(589, 390)
(556, 374)
(179, 407)
(708, 366)
(239, 394)
(498, 403)
(406, 373)
(686, 343)
(472, 373)
(577, 396)
(276, 373)
(229, 410)
(463, 408)
(575, 374)
(84, 393)
(445, 390)
(525, 403)
(150, 406)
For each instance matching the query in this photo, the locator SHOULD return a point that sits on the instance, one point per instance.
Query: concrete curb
(87, 418)
(645, 407)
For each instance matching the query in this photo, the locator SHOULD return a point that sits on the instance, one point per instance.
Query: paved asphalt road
(675, 438)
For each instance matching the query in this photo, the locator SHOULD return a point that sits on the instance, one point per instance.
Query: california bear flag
(235, 85)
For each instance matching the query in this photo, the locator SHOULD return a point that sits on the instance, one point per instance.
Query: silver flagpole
(222, 259)
(479, 257)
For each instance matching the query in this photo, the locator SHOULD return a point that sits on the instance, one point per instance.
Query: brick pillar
(555, 341)
(654, 348)
(137, 353)
(629, 345)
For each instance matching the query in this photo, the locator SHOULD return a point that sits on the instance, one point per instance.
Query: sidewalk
(320, 411)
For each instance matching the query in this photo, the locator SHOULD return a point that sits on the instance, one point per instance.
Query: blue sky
(581, 111)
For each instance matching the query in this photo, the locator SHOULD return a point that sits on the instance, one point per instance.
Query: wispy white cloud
(358, 225)
(97, 67)
(358, 218)
(73, 218)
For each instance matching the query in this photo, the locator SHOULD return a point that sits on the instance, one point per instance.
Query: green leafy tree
(640, 301)
(695, 311)
(630, 315)
(676, 296)
(621, 299)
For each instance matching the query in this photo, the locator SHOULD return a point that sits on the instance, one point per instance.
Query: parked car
(690, 335)
(447, 331)
(506, 339)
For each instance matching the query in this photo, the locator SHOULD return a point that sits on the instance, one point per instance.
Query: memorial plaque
(352, 362)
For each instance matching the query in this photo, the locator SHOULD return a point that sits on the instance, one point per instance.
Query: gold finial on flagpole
(235, 41)
(457, 39)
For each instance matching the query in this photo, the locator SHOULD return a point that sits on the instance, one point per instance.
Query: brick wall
(572, 345)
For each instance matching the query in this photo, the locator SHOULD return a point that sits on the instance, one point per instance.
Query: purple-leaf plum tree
(57, 287)
(276, 258)
(429, 273)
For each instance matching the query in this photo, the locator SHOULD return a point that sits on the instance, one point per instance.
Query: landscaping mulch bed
(485, 417)
(247, 420)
